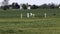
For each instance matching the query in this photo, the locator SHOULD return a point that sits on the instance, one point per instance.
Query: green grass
(30, 26)
(39, 13)
(11, 23)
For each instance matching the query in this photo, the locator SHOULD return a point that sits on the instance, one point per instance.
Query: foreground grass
(30, 26)
(11, 23)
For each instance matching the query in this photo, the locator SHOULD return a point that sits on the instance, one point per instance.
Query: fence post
(45, 15)
(21, 15)
(28, 15)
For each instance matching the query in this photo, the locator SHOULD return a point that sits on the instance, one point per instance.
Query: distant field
(11, 23)
(39, 13)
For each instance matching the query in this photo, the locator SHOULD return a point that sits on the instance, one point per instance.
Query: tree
(49, 6)
(15, 6)
(52, 6)
(34, 7)
(6, 7)
(44, 6)
(24, 6)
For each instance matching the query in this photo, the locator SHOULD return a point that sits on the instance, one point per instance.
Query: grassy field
(30, 26)
(39, 13)
(11, 23)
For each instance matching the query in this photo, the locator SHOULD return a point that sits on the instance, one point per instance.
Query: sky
(37, 2)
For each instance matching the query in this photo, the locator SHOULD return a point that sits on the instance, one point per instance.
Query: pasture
(11, 23)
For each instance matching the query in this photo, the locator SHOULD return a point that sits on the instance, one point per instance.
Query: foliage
(24, 6)
(15, 6)
(34, 7)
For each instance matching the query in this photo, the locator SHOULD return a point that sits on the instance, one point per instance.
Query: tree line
(24, 6)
